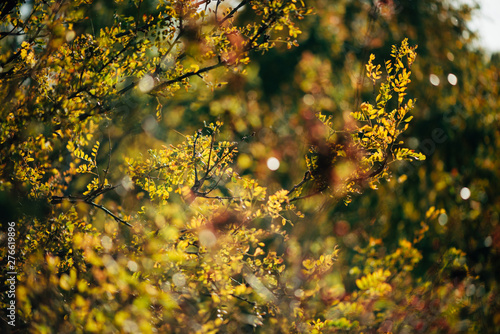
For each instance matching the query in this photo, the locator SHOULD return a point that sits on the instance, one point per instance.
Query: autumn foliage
(133, 153)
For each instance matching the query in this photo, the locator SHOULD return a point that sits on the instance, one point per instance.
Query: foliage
(133, 162)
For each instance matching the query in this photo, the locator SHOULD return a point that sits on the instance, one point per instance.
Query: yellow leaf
(215, 298)
(195, 68)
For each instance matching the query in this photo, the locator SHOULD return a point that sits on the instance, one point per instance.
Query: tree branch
(89, 199)
(118, 219)
(307, 177)
(231, 13)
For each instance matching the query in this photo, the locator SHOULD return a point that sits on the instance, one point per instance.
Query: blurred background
(450, 201)
(456, 125)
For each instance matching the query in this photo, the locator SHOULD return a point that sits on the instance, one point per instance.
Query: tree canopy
(247, 166)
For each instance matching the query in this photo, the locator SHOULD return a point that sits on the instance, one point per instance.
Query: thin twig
(210, 153)
(216, 197)
(231, 13)
(196, 181)
(89, 199)
(308, 195)
(244, 299)
(307, 177)
(182, 77)
(109, 213)
(198, 184)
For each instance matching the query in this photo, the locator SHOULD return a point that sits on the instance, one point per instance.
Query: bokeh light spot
(273, 163)
(308, 99)
(179, 279)
(132, 266)
(106, 242)
(146, 84)
(70, 35)
(488, 241)
(434, 79)
(207, 238)
(452, 79)
(443, 219)
(465, 193)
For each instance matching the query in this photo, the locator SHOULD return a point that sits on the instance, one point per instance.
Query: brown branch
(142, 28)
(308, 195)
(112, 59)
(132, 44)
(231, 13)
(118, 219)
(307, 177)
(244, 299)
(186, 75)
(198, 183)
(263, 29)
(202, 195)
(89, 199)
(376, 172)
(210, 154)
